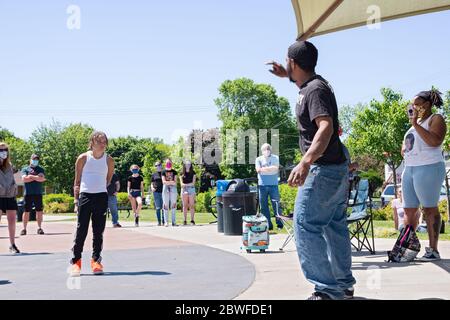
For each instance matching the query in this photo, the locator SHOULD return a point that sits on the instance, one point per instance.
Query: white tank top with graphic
(417, 151)
(95, 171)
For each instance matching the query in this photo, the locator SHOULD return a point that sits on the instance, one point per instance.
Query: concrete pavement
(197, 262)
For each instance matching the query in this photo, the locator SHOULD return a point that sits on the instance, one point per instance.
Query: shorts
(31, 199)
(422, 185)
(136, 194)
(8, 204)
(189, 190)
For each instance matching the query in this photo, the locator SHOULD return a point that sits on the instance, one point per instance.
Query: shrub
(58, 203)
(202, 202)
(122, 199)
(443, 210)
(55, 207)
(384, 214)
(288, 195)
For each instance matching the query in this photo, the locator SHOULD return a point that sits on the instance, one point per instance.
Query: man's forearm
(318, 146)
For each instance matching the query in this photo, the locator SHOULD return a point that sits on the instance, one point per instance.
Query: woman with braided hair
(424, 166)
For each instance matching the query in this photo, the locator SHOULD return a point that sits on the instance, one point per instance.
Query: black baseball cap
(304, 53)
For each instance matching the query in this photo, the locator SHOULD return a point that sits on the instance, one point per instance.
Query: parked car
(388, 194)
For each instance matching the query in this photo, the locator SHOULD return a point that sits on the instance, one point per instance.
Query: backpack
(406, 247)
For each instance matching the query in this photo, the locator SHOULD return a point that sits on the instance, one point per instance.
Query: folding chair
(362, 217)
(287, 222)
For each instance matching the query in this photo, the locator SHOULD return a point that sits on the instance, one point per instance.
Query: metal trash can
(238, 201)
(222, 186)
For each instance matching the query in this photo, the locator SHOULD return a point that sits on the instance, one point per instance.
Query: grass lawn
(382, 229)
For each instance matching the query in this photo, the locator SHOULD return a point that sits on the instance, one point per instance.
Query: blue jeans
(158, 201)
(264, 193)
(112, 205)
(321, 231)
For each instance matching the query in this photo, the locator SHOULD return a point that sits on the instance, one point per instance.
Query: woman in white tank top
(93, 172)
(424, 166)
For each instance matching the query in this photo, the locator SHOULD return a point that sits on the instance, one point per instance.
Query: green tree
(58, 148)
(347, 115)
(143, 152)
(5, 134)
(244, 104)
(378, 130)
(21, 151)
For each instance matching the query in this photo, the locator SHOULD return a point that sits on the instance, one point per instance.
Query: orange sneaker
(76, 269)
(97, 267)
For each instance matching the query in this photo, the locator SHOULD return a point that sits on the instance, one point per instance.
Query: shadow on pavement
(138, 273)
(381, 265)
(25, 254)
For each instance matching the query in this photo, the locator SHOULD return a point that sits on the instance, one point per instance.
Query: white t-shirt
(396, 203)
(417, 151)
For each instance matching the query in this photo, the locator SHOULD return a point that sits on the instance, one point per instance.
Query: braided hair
(433, 96)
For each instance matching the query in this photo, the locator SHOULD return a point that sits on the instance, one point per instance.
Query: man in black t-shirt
(33, 177)
(157, 188)
(322, 177)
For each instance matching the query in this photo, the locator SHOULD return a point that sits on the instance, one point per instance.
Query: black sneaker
(14, 249)
(136, 221)
(117, 225)
(430, 255)
(349, 293)
(193, 222)
(184, 223)
(319, 296)
(40, 231)
(23, 232)
(174, 225)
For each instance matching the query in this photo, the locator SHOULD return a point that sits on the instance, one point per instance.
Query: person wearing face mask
(8, 193)
(33, 178)
(424, 170)
(187, 181)
(157, 188)
(320, 218)
(170, 193)
(267, 167)
(135, 192)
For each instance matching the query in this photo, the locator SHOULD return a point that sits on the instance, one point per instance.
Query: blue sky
(152, 68)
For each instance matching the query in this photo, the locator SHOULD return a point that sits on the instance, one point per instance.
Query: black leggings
(91, 206)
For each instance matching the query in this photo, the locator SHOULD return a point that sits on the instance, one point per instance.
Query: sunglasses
(2, 150)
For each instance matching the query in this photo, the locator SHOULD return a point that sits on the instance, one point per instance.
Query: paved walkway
(197, 262)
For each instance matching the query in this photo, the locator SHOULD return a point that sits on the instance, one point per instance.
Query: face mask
(135, 171)
(3, 155)
(34, 163)
(266, 153)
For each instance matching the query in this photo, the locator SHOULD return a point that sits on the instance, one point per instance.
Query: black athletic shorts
(8, 204)
(35, 199)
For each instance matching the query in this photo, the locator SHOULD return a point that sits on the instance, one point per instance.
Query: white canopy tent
(316, 17)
